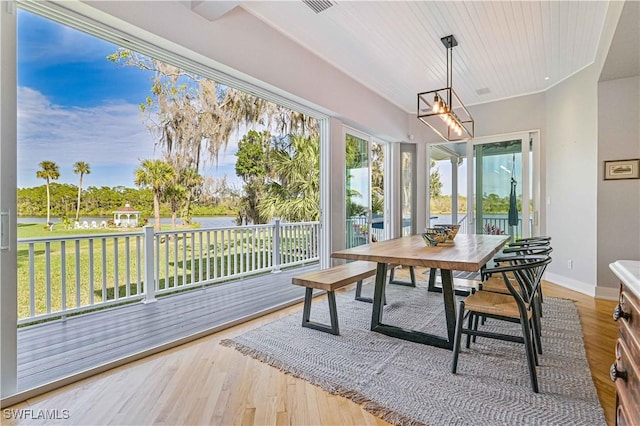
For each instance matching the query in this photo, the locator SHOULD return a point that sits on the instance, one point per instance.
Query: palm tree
(48, 171)
(157, 175)
(175, 194)
(81, 168)
(192, 181)
(294, 193)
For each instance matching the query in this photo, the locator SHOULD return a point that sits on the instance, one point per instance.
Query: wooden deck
(56, 350)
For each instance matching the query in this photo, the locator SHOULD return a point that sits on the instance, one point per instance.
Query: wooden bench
(330, 280)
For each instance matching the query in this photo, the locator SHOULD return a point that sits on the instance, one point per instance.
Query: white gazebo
(126, 216)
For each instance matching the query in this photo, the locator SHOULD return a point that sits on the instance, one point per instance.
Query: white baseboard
(571, 284)
(607, 293)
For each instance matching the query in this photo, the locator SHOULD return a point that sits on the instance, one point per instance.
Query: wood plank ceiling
(505, 49)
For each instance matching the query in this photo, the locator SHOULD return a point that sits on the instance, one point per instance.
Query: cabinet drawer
(622, 417)
(631, 341)
(628, 386)
(630, 312)
(625, 412)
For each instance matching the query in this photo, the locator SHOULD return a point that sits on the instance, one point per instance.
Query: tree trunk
(187, 216)
(79, 192)
(156, 211)
(48, 204)
(174, 215)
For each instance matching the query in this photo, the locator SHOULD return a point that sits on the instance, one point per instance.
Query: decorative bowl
(452, 230)
(429, 240)
(438, 234)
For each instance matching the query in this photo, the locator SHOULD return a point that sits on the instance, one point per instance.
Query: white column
(327, 220)
(8, 155)
(337, 185)
(393, 201)
(454, 190)
(422, 186)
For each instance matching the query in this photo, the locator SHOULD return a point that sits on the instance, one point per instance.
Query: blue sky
(74, 105)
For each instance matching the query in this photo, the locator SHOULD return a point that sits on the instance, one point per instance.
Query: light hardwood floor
(205, 383)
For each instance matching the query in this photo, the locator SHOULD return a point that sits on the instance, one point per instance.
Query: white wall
(572, 142)
(618, 200)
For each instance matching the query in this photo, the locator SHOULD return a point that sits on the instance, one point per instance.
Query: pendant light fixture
(442, 109)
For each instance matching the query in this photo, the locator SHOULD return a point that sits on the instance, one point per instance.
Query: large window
(110, 138)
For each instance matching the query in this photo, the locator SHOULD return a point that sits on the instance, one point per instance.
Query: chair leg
(457, 338)
(475, 325)
(470, 327)
(531, 354)
(536, 335)
(537, 306)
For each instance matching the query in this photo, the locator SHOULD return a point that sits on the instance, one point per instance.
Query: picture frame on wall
(622, 169)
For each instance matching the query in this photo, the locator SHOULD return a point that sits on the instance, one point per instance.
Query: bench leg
(333, 313)
(361, 298)
(411, 283)
(359, 293)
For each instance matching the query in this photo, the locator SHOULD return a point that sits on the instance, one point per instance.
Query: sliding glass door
(358, 191)
(487, 185)
(364, 189)
(498, 188)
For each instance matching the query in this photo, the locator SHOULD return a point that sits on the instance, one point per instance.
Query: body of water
(204, 221)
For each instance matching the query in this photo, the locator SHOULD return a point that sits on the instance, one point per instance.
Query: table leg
(378, 295)
(414, 335)
(449, 302)
(432, 280)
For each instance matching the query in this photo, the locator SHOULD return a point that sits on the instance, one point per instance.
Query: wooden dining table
(465, 253)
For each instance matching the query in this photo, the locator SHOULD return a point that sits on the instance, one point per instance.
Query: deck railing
(59, 276)
(500, 223)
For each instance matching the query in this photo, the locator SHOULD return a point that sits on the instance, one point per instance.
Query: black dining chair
(497, 285)
(522, 278)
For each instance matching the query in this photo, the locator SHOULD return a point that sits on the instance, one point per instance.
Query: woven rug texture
(409, 383)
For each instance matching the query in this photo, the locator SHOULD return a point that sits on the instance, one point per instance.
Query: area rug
(408, 383)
